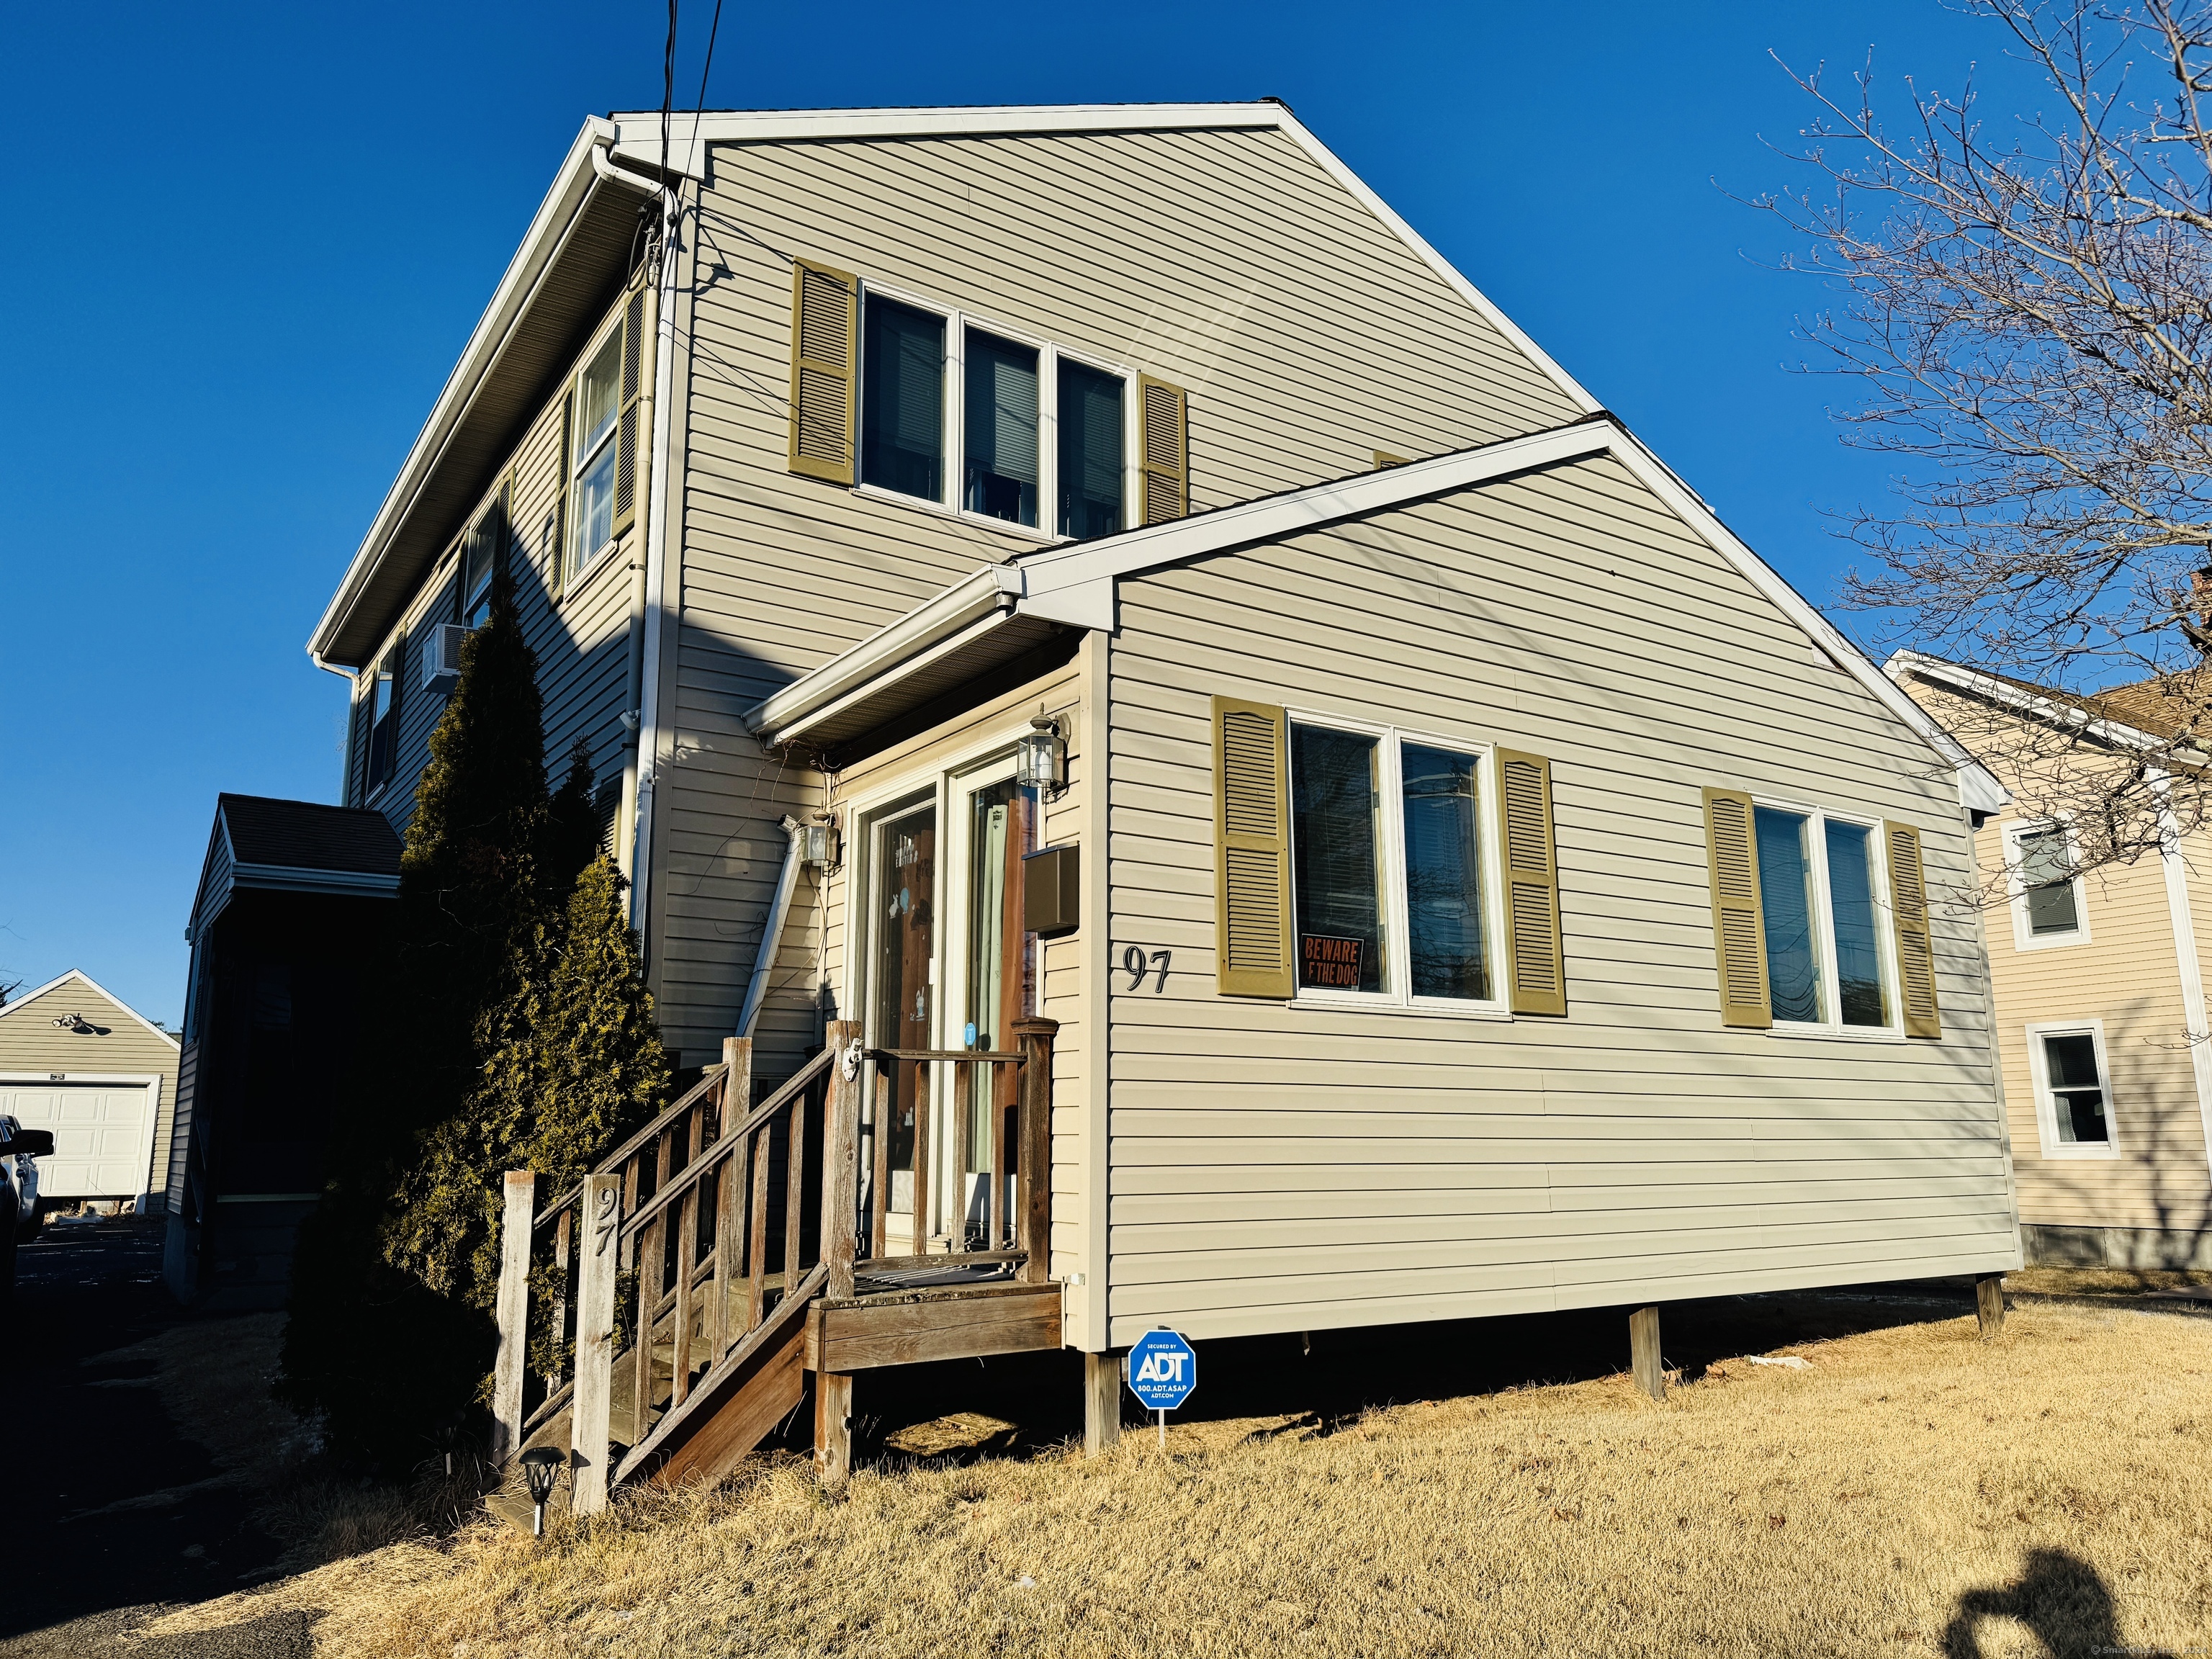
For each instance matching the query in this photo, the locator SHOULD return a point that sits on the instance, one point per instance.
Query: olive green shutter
(1164, 444)
(1739, 930)
(825, 319)
(1252, 851)
(1536, 975)
(1908, 909)
(557, 535)
(636, 377)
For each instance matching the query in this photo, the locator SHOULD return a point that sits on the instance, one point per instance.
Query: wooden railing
(693, 1238)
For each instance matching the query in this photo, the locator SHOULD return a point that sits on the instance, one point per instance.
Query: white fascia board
(29, 997)
(983, 596)
(2036, 704)
(510, 301)
(293, 878)
(690, 135)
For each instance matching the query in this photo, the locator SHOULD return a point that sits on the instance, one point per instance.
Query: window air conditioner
(441, 657)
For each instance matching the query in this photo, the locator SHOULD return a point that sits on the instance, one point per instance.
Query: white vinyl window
(593, 419)
(2072, 1075)
(1394, 867)
(2040, 873)
(480, 552)
(1822, 895)
(982, 422)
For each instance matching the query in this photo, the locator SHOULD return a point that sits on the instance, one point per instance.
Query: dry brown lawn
(1909, 1491)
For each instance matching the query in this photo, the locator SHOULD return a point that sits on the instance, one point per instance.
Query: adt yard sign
(1163, 1372)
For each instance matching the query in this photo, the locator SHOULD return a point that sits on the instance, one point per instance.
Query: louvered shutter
(1164, 444)
(1535, 969)
(824, 318)
(636, 376)
(557, 530)
(1916, 951)
(1739, 931)
(1252, 850)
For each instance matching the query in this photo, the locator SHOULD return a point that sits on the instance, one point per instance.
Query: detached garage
(79, 1061)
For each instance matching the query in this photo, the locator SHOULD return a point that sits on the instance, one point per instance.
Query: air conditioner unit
(441, 657)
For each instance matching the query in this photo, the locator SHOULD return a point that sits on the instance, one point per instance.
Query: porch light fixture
(541, 1466)
(820, 837)
(1040, 757)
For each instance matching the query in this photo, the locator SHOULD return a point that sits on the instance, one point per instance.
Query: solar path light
(541, 1466)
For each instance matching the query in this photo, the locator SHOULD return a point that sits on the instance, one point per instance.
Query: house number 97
(1137, 966)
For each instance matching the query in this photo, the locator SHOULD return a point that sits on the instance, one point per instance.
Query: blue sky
(246, 243)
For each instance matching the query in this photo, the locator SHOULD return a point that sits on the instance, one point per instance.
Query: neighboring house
(292, 897)
(79, 1061)
(970, 482)
(2099, 985)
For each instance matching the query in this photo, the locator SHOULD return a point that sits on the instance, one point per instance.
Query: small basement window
(2072, 1093)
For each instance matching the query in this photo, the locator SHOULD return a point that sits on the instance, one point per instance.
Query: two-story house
(1100, 563)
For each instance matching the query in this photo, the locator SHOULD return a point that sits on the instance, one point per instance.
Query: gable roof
(78, 974)
(580, 242)
(2136, 716)
(1074, 585)
(294, 847)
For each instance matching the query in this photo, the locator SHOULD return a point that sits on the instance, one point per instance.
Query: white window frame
(957, 322)
(1397, 992)
(575, 468)
(2016, 886)
(1830, 1025)
(2046, 1108)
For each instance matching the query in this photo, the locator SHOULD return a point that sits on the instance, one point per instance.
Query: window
(383, 718)
(2073, 1107)
(2046, 893)
(592, 460)
(1389, 886)
(989, 426)
(1827, 960)
(479, 556)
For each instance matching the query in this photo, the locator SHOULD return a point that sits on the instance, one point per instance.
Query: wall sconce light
(1040, 757)
(821, 840)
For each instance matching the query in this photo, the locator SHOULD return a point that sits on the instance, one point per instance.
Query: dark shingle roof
(302, 834)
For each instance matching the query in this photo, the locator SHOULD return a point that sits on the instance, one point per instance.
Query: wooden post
(1644, 1359)
(1034, 1220)
(595, 1341)
(512, 1312)
(840, 1163)
(1989, 1305)
(729, 1190)
(1102, 1402)
(833, 1427)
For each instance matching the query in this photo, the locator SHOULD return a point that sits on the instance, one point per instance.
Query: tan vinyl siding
(1281, 1168)
(31, 1042)
(1225, 262)
(2127, 974)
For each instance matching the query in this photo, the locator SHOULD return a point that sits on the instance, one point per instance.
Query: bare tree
(2027, 313)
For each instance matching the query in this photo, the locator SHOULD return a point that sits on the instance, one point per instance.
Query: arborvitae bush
(509, 1029)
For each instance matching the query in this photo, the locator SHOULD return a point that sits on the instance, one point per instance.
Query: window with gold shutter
(636, 376)
(1535, 963)
(1909, 912)
(1163, 450)
(824, 326)
(1252, 850)
(1739, 931)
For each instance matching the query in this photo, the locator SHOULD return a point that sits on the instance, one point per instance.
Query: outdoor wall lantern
(1040, 757)
(541, 1466)
(820, 842)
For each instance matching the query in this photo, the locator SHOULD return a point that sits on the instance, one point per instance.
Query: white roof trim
(541, 246)
(1078, 579)
(1973, 680)
(78, 973)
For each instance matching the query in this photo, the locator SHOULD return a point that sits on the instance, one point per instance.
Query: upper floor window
(1827, 963)
(479, 555)
(383, 718)
(2040, 862)
(1388, 889)
(593, 452)
(987, 425)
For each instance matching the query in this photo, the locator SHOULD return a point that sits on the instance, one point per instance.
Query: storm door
(998, 986)
(904, 986)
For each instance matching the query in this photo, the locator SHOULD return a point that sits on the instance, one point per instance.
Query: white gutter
(980, 598)
(772, 936)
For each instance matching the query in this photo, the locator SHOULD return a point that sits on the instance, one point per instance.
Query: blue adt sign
(1162, 1371)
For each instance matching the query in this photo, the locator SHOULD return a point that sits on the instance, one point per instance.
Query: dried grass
(1911, 1491)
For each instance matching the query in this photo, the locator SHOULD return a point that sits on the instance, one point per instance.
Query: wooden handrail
(725, 1145)
(946, 1053)
(637, 1142)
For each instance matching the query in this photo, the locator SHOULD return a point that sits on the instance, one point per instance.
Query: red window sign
(1330, 964)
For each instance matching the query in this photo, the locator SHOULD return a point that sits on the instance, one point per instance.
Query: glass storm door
(904, 978)
(997, 987)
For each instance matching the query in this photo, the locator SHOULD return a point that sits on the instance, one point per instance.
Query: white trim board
(1075, 583)
(78, 973)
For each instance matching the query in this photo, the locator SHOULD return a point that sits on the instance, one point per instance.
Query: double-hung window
(1828, 962)
(479, 555)
(2040, 861)
(592, 453)
(2073, 1104)
(383, 719)
(969, 418)
(1392, 873)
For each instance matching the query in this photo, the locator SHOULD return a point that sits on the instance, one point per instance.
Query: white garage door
(103, 1135)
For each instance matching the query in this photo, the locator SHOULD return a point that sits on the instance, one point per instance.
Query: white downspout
(646, 756)
(772, 936)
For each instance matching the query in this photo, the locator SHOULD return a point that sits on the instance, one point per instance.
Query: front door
(905, 983)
